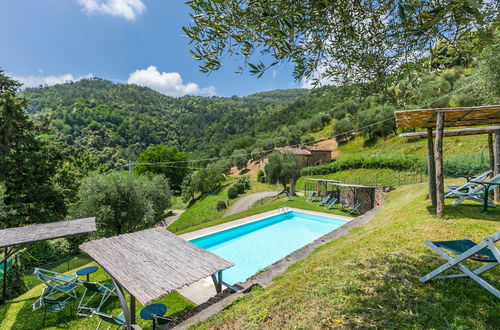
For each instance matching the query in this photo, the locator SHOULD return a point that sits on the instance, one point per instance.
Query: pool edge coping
(253, 218)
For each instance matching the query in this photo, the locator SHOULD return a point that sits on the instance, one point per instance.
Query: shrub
(232, 193)
(260, 176)
(244, 181)
(240, 187)
(221, 205)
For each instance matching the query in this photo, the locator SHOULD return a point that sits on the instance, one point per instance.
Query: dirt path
(176, 214)
(244, 203)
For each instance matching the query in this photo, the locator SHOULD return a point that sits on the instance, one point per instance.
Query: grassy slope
(17, 314)
(452, 146)
(263, 206)
(205, 209)
(369, 278)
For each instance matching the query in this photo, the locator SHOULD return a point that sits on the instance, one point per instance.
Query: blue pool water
(254, 246)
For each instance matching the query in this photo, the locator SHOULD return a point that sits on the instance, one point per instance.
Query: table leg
(485, 205)
(88, 278)
(154, 324)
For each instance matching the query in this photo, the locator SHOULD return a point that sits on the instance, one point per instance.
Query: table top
(154, 309)
(87, 270)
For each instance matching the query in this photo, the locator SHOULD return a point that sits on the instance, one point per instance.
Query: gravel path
(244, 203)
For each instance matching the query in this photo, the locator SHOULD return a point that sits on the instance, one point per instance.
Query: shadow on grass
(389, 294)
(471, 211)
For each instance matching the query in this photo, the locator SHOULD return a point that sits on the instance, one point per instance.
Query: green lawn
(369, 277)
(18, 314)
(205, 208)
(265, 205)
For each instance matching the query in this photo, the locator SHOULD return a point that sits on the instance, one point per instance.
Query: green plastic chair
(94, 288)
(112, 320)
(486, 252)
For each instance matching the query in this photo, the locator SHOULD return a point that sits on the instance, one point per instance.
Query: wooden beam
(439, 165)
(123, 303)
(496, 166)
(132, 310)
(431, 167)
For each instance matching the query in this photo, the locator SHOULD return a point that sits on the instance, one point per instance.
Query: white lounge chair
(475, 194)
(454, 189)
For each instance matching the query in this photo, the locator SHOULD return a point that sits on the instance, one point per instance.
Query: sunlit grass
(369, 278)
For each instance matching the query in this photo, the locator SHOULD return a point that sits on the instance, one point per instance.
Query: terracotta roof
(295, 151)
(316, 148)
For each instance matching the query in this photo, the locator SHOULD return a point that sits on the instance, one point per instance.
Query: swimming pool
(253, 246)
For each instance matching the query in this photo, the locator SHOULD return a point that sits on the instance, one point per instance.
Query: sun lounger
(355, 208)
(324, 200)
(312, 197)
(92, 289)
(453, 189)
(486, 252)
(331, 203)
(57, 285)
(475, 194)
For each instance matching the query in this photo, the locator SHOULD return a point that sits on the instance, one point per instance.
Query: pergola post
(491, 152)
(439, 165)
(431, 167)
(123, 304)
(496, 166)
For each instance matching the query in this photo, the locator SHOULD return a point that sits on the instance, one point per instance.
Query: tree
(239, 158)
(175, 172)
(343, 130)
(325, 39)
(282, 167)
(123, 202)
(25, 164)
(203, 181)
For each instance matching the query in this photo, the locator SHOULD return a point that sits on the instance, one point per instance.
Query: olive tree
(282, 167)
(341, 40)
(123, 202)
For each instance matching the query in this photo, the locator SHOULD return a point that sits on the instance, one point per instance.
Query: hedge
(453, 167)
(399, 163)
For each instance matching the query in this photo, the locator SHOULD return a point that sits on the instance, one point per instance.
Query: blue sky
(135, 41)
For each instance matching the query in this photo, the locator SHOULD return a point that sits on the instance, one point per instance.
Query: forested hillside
(119, 121)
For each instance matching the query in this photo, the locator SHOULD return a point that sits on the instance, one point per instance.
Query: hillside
(119, 121)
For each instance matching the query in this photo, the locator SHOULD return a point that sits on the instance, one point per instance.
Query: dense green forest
(117, 122)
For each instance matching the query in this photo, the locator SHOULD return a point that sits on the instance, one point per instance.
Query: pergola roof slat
(461, 116)
(45, 231)
(152, 263)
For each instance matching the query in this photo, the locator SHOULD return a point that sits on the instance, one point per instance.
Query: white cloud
(35, 81)
(318, 75)
(168, 83)
(128, 9)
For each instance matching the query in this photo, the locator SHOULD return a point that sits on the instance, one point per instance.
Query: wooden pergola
(319, 184)
(440, 118)
(14, 239)
(152, 263)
